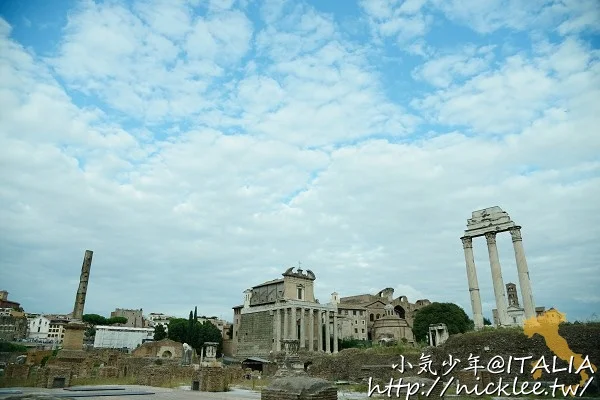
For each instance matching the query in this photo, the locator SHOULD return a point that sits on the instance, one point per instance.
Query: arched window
(377, 316)
(371, 317)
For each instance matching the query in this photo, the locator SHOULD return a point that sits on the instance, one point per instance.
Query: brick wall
(255, 334)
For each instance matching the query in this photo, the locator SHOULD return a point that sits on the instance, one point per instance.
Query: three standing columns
(498, 283)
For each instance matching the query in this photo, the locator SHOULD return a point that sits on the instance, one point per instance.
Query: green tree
(195, 313)
(159, 332)
(94, 319)
(450, 314)
(116, 320)
(486, 321)
(177, 329)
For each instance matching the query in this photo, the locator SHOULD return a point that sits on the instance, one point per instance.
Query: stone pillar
(523, 271)
(311, 329)
(327, 333)
(497, 278)
(473, 284)
(83, 283)
(285, 323)
(302, 329)
(294, 331)
(320, 330)
(335, 332)
(278, 329)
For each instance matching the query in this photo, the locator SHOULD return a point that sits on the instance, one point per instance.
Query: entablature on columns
(289, 304)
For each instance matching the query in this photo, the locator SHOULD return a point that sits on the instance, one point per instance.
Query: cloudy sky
(202, 147)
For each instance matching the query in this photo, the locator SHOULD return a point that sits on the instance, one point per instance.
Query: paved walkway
(159, 394)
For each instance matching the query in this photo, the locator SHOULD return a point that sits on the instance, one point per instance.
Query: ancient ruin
(74, 330)
(489, 222)
(438, 334)
(293, 383)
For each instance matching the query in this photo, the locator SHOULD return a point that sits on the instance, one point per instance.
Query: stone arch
(400, 312)
(166, 354)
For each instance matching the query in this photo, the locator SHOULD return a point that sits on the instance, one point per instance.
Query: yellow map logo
(546, 325)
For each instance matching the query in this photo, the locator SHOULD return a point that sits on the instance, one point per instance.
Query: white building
(119, 337)
(159, 318)
(39, 327)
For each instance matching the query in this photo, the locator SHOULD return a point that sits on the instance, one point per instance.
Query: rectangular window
(299, 293)
(354, 312)
(355, 330)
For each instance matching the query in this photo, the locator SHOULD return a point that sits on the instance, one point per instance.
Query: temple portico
(488, 223)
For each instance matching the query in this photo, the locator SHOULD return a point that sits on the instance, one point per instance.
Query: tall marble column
(523, 271)
(320, 329)
(278, 329)
(302, 329)
(327, 333)
(473, 284)
(294, 331)
(311, 329)
(335, 332)
(285, 323)
(497, 280)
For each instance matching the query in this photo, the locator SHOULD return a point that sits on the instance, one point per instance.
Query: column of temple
(285, 323)
(278, 329)
(523, 272)
(311, 329)
(327, 333)
(497, 278)
(335, 332)
(320, 329)
(473, 284)
(302, 329)
(294, 321)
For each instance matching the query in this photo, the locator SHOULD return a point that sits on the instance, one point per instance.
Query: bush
(8, 347)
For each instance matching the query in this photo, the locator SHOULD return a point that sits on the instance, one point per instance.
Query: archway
(400, 312)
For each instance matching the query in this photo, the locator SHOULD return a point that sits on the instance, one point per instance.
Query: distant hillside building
(135, 318)
(380, 322)
(13, 325)
(5, 303)
(155, 319)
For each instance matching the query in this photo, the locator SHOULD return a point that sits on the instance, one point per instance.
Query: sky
(201, 147)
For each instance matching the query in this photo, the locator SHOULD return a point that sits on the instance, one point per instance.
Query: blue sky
(201, 147)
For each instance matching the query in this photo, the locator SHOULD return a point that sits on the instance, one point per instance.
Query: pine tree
(196, 313)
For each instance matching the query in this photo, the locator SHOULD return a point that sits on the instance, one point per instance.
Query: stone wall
(582, 339)
(213, 379)
(278, 394)
(255, 334)
(357, 365)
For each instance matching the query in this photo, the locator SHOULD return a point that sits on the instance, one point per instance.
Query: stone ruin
(293, 383)
(438, 334)
(210, 375)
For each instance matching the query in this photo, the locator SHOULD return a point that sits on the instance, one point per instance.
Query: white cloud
(446, 69)
(326, 165)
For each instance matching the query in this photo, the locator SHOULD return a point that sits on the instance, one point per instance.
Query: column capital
(467, 242)
(515, 233)
(490, 237)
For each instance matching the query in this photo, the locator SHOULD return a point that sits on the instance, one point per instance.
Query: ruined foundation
(293, 383)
